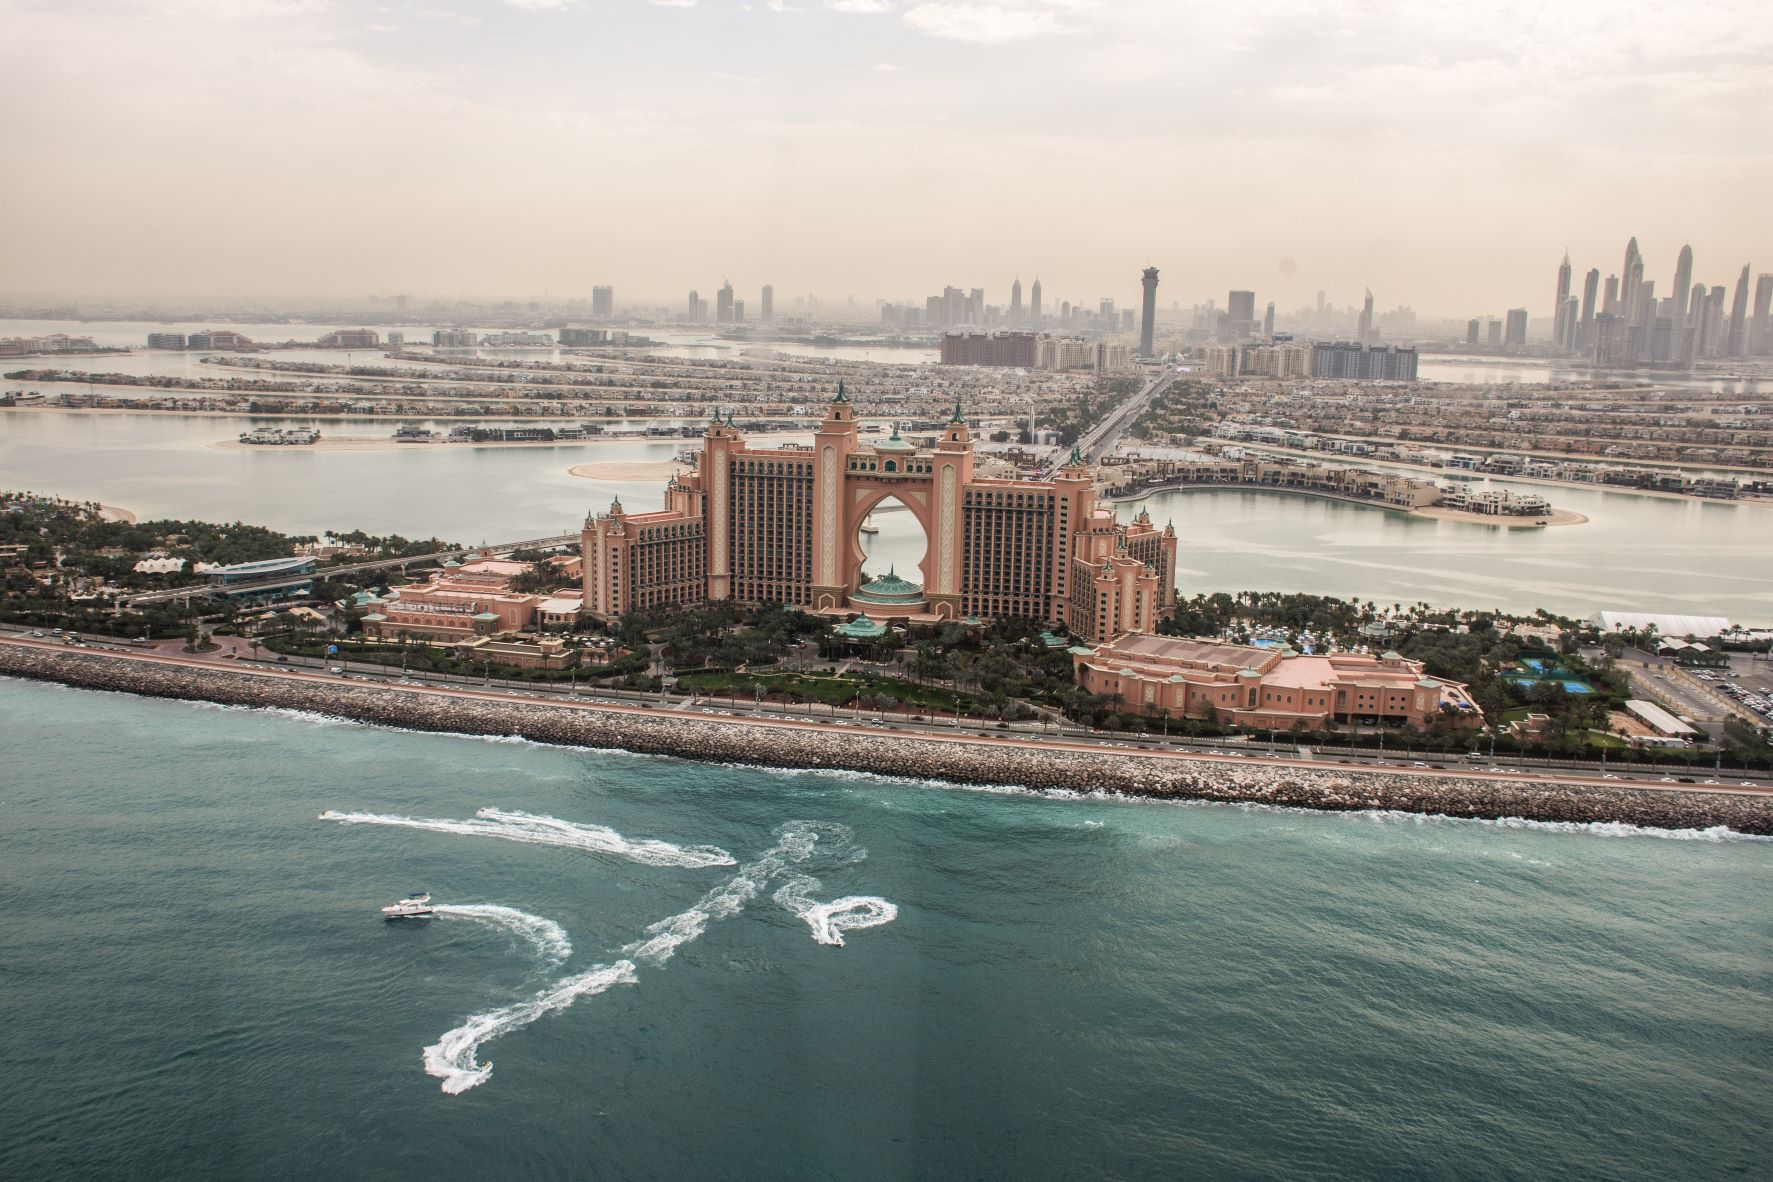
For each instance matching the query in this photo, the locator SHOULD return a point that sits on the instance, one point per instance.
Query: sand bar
(630, 470)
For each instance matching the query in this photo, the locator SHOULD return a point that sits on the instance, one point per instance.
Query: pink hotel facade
(783, 525)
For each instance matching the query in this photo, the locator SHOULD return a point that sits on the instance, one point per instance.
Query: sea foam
(547, 938)
(830, 920)
(453, 1058)
(540, 830)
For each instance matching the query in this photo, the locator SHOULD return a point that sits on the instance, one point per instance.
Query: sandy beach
(1507, 521)
(1554, 517)
(630, 470)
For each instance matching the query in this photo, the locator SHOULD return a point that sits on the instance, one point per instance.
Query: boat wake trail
(830, 921)
(538, 830)
(546, 937)
(454, 1057)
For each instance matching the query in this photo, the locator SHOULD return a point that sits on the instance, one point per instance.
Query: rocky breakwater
(1030, 765)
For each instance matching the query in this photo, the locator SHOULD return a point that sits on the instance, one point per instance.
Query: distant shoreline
(374, 443)
(1429, 512)
(1591, 485)
(346, 417)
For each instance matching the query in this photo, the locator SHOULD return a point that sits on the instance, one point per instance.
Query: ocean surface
(635, 974)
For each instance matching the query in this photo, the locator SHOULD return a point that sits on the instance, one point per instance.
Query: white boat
(868, 526)
(415, 906)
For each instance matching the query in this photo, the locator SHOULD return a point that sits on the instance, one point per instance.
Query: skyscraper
(695, 308)
(1683, 283)
(1016, 301)
(1363, 329)
(1761, 341)
(1472, 328)
(1711, 324)
(723, 303)
(603, 301)
(1034, 301)
(1560, 330)
(1148, 313)
(1738, 339)
(769, 303)
(1515, 335)
(1590, 285)
(1630, 276)
(1268, 321)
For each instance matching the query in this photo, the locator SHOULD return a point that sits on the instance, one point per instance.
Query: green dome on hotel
(895, 442)
(861, 628)
(889, 591)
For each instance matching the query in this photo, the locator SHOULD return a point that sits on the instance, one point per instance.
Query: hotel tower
(782, 525)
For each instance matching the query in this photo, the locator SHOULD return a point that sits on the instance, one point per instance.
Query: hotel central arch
(782, 524)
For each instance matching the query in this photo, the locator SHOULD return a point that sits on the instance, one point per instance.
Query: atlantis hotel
(782, 524)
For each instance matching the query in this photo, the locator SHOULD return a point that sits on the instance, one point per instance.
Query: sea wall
(734, 741)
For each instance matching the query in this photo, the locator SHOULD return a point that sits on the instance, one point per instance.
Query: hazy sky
(1443, 153)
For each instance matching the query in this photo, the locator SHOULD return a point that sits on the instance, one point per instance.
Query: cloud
(674, 3)
(782, 6)
(983, 24)
(886, 68)
(862, 6)
(541, 5)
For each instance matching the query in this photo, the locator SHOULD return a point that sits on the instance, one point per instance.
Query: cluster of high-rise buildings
(1623, 321)
(1042, 350)
(728, 310)
(966, 307)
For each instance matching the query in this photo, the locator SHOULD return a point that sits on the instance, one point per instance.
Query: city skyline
(509, 148)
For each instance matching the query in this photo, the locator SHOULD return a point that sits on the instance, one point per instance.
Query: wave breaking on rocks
(1025, 765)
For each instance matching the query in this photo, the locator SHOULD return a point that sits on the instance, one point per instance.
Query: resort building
(783, 525)
(1260, 687)
(1493, 502)
(459, 603)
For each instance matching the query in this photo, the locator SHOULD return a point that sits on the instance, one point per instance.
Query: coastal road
(1733, 783)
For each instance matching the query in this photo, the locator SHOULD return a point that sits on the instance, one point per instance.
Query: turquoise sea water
(196, 983)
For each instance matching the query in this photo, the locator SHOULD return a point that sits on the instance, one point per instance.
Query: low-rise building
(351, 338)
(459, 603)
(547, 652)
(1274, 688)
